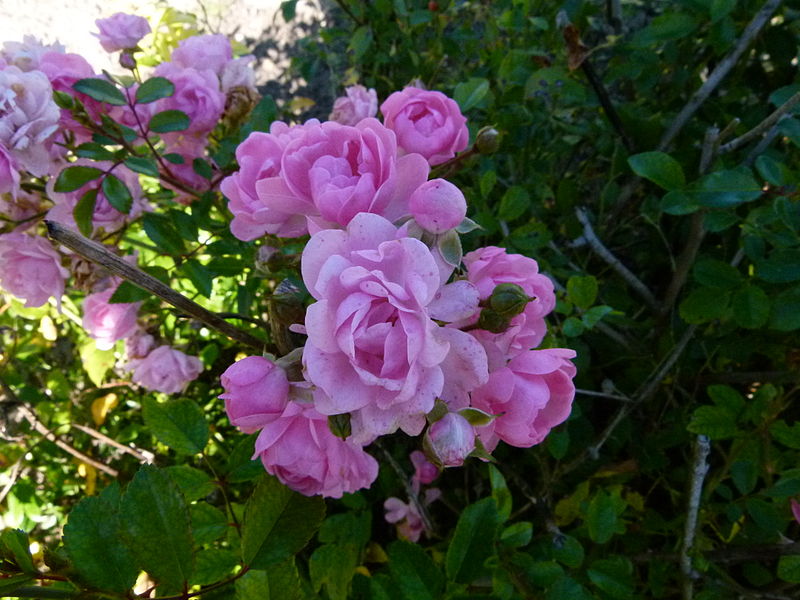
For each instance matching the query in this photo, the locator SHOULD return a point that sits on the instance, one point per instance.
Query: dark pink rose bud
(256, 392)
(438, 206)
(450, 440)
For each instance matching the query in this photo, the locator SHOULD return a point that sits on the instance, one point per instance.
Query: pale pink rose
(238, 73)
(425, 472)
(357, 104)
(256, 392)
(490, 266)
(372, 346)
(197, 94)
(31, 269)
(139, 344)
(28, 119)
(21, 207)
(27, 53)
(332, 172)
(208, 51)
(121, 31)
(9, 175)
(795, 509)
(166, 370)
(410, 525)
(105, 215)
(105, 322)
(426, 122)
(450, 440)
(438, 206)
(531, 395)
(300, 450)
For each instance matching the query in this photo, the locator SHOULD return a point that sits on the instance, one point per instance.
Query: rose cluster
(402, 334)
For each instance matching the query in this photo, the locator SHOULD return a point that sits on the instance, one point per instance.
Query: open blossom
(27, 53)
(166, 370)
(121, 31)
(9, 175)
(426, 122)
(357, 104)
(531, 395)
(300, 450)
(139, 344)
(197, 94)
(208, 51)
(406, 515)
(28, 118)
(256, 392)
(238, 73)
(332, 172)
(373, 348)
(106, 322)
(438, 206)
(30, 268)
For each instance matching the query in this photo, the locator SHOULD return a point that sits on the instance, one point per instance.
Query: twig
(98, 254)
(12, 479)
(140, 455)
(764, 143)
(762, 127)
(728, 555)
(608, 106)
(699, 470)
(602, 395)
(719, 73)
(613, 261)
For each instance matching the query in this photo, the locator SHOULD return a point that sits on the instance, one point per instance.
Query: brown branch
(99, 254)
(139, 455)
(762, 127)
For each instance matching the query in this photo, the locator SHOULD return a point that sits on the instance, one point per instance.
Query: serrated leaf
(127, 293)
(750, 307)
(725, 188)
(785, 314)
(208, 523)
(414, 572)
(72, 178)
(333, 566)
(83, 213)
(94, 152)
(473, 541)
(789, 568)
(717, 274)
(143, 165)
(162, 233)
(213, 565)
(180, 424)
(582, 290)
(193, 483)
(155, 522)
(169, 120)
(601, 517)
(117, 193)
(704, 304)
(200, 276)
(101, 90)
(470, 93)
(154, 89)
(360, 41)
(501, 494)
(660, 168)
(278, 523)
(92, 541)
(514, 204)
(713, 421)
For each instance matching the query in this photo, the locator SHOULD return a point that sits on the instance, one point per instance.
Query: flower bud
(488, 140)
(491, 321)
(508, 300)
(450, 440)
(256, 392)
(438, 206)
(126, 60)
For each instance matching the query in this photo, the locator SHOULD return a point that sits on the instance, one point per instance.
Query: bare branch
(719, 73)
(142, 456)
(99, 254)
(762, 127)
(699, 470)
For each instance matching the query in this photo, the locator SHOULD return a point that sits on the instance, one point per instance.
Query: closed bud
(340, 425)
(487, 140)
(491, 321)
(508, 300)
(449, 441)
(126, 60)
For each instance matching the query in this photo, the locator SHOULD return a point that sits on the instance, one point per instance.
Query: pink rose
(406, 516)
(21, 206)
(438, 206)
(373, 348)
(300, 450)
(531, 395)
(31, 269)
(121, 31)
(27, 53)
(332, 172)
(203, 52)
(9, 176)
(795, 505)
(197, 94)
(426, 122)
(450, 440)
(139, 344)
(424, 472)
(106, 322)
(256, 392)
(165, 370)
(238, 73)
(358, 103)
(486, 268)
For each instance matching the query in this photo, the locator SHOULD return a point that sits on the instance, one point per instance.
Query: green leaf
(278, 523)
(660, 168)
(471, 92)
(264, 113)
(500, 493)
(786, 310)
(719, 220)
(573, 327)
(601, 517)
(143, 165)
(414, 572)
(569, 552)
(154, 89)
(94, 152)
(725, 188)
(678, 203)
(92, 541)
(180, 424)
(772, 171)
(199, 275)
(127, 293)
(117, 193)
(193, 483)
(514, 204)
(613, 576)
(593, 316)
(162, 232)
(155, 522)
(96, 362)
(449, 245)
(202, 168)
(101, 90)
(15, 541)
(473, 541)
(11, 584)
(789, 568)
(704, 304)
(567, 588)
(333, 566)
(717, 274)
(361, 41)
(582, 290)
(745, 475)
(786, 435)
(72, 178)
(208, 523)
(750, 307)
(713, 421)
(185, 225)
(726, 397)
(278, 582)
(517, 535)
(213, 565)
(83, 212)
(782, 266)
(169, 120)
(288, 9)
